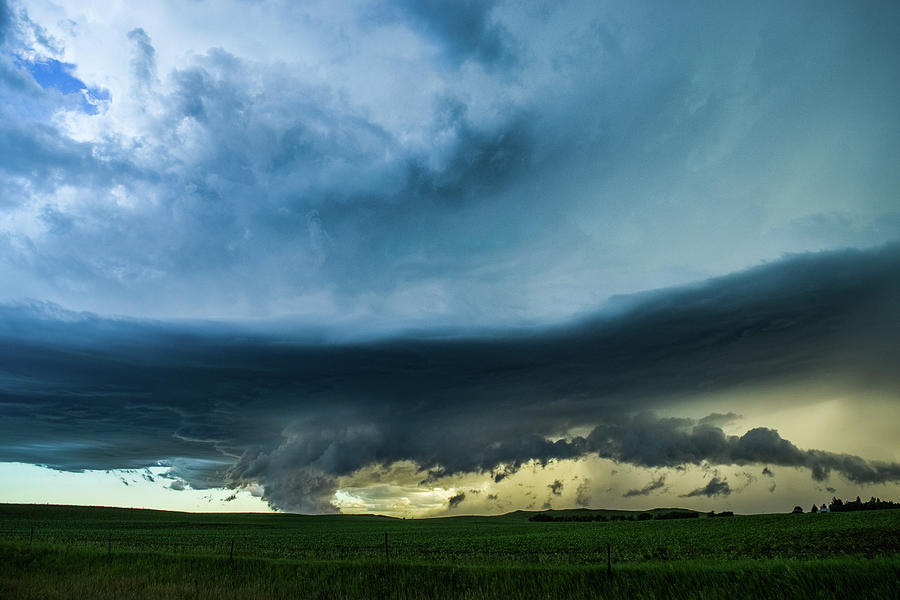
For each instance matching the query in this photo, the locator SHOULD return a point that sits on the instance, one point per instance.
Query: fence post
(108, 544)
(387, 555)
(231, 554)
(31, 539)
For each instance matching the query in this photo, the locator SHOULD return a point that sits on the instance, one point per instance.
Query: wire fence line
(372, 547)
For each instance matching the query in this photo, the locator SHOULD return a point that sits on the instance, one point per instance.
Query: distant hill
(591, 512)
(63, 511)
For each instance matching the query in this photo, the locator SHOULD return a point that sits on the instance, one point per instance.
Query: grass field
(115, 553)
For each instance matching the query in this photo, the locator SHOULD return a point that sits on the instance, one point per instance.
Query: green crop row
(63, 573)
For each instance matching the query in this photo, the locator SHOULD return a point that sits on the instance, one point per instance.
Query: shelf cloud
(230, 404)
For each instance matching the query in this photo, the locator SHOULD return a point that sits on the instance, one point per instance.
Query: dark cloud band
(233, 405)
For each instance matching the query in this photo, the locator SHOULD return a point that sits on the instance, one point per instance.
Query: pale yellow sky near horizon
(398, 494)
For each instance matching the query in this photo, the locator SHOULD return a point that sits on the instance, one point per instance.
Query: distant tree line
(644, 516)
(838, 505)
(873, 503)
(545, 518)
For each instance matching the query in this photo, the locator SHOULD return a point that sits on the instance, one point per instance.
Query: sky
(426, 258)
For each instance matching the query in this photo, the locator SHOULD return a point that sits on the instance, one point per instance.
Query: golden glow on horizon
(826, 416)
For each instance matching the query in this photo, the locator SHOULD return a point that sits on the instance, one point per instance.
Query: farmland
(63, 552)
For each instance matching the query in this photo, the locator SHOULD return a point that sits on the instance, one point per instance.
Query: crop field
(69, 552)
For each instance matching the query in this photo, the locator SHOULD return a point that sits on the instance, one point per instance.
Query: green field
(115, 553)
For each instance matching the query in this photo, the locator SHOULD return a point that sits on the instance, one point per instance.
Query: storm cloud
(234, 405)
(465, 29)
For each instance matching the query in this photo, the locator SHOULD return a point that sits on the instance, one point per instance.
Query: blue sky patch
(54, 74)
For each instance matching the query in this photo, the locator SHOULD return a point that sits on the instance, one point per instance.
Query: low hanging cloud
(456, 500)
(556, 488)
(654, 485)
(652, 442)
(243, 405)
(715, 487)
